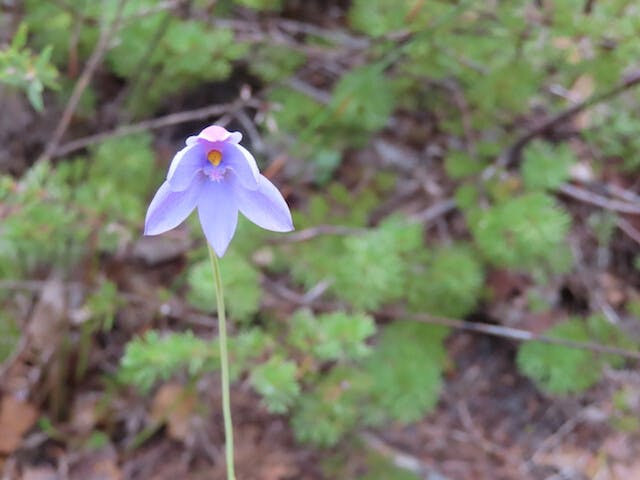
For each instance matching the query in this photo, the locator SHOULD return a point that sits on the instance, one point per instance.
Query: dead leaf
(174, 405)
(45, 324)
(16, 417)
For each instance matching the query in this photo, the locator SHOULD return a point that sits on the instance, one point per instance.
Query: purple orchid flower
(220, 177)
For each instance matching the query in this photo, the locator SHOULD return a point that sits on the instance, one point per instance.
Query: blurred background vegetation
(461, 298)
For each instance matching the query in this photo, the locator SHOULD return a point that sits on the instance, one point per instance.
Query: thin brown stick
(152, 124)
(507, 332)
(586, 196)
(320, 230)
(512, 154)
(399, 458)
(629, 230)
(82, 83)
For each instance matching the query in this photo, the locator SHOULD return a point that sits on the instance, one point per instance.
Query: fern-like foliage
(560, 370)
(153, 357)
(275, 380)
(405, 372)
(546, 167)
(371, 269)
(447, 283)
(363, 98)
(241, 286)
(333, 336)
(188, 54)
(524, 232)
(329, 410)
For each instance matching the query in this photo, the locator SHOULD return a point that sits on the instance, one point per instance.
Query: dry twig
(82, 83)
(512, 154)
(152, 124)
(592, 198)
(507, 332)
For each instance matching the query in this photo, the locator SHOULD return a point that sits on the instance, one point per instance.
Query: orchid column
(220, 177)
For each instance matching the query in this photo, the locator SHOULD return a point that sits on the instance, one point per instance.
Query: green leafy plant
(448, 283)
(546, 167)
(561, 370)
(22, 69)
(242, 287)
(524, 232)
(405, 372)
(333, 336)
(276, 381)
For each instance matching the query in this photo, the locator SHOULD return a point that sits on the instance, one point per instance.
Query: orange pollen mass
(215, 157)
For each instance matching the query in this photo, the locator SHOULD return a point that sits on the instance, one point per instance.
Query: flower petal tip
(216, 133)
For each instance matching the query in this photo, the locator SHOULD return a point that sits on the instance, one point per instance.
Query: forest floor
(491, 422)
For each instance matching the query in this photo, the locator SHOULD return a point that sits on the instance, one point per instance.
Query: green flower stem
(224, 365)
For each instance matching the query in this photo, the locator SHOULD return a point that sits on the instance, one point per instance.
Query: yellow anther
(215, 157)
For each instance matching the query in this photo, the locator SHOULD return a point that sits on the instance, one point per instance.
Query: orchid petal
(265, 206)
(169, 208)
(218, 215)
(216, 133)
(238, 159)
(184, 166)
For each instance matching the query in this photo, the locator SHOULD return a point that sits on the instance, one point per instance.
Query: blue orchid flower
(219, 177)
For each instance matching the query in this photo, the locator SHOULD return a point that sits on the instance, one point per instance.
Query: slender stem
(224, 365)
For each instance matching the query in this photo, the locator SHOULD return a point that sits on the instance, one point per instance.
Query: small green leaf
(276, 381)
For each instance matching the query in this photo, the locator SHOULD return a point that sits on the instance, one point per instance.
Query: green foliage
(112, 196)
(261, 4)
(276, 381)
(462, 77)
(546, 167)
(460, 164)
(22, 69)
(273, 63)
(153, 357)
(103, 304)
(52, 25)
(380, 468)
(561, 370)
(379, 17)
(616, 136)
(330, 410)
(405, 371)
(526, 232)
(241, 286)
(333, 336)
(39, 227)
(363, 98)
(449, 283)
(187, 54)
(379, 256)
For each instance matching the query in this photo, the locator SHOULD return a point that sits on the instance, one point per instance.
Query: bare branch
(586, 196)
(152, 124)
(507, 332)
(82, 83)
(512, 154)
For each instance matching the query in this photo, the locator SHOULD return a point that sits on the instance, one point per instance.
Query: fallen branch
(85, 77)
(399, 458)
(586, 196)
(512, 154)
(151, 124)
(507, 332)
